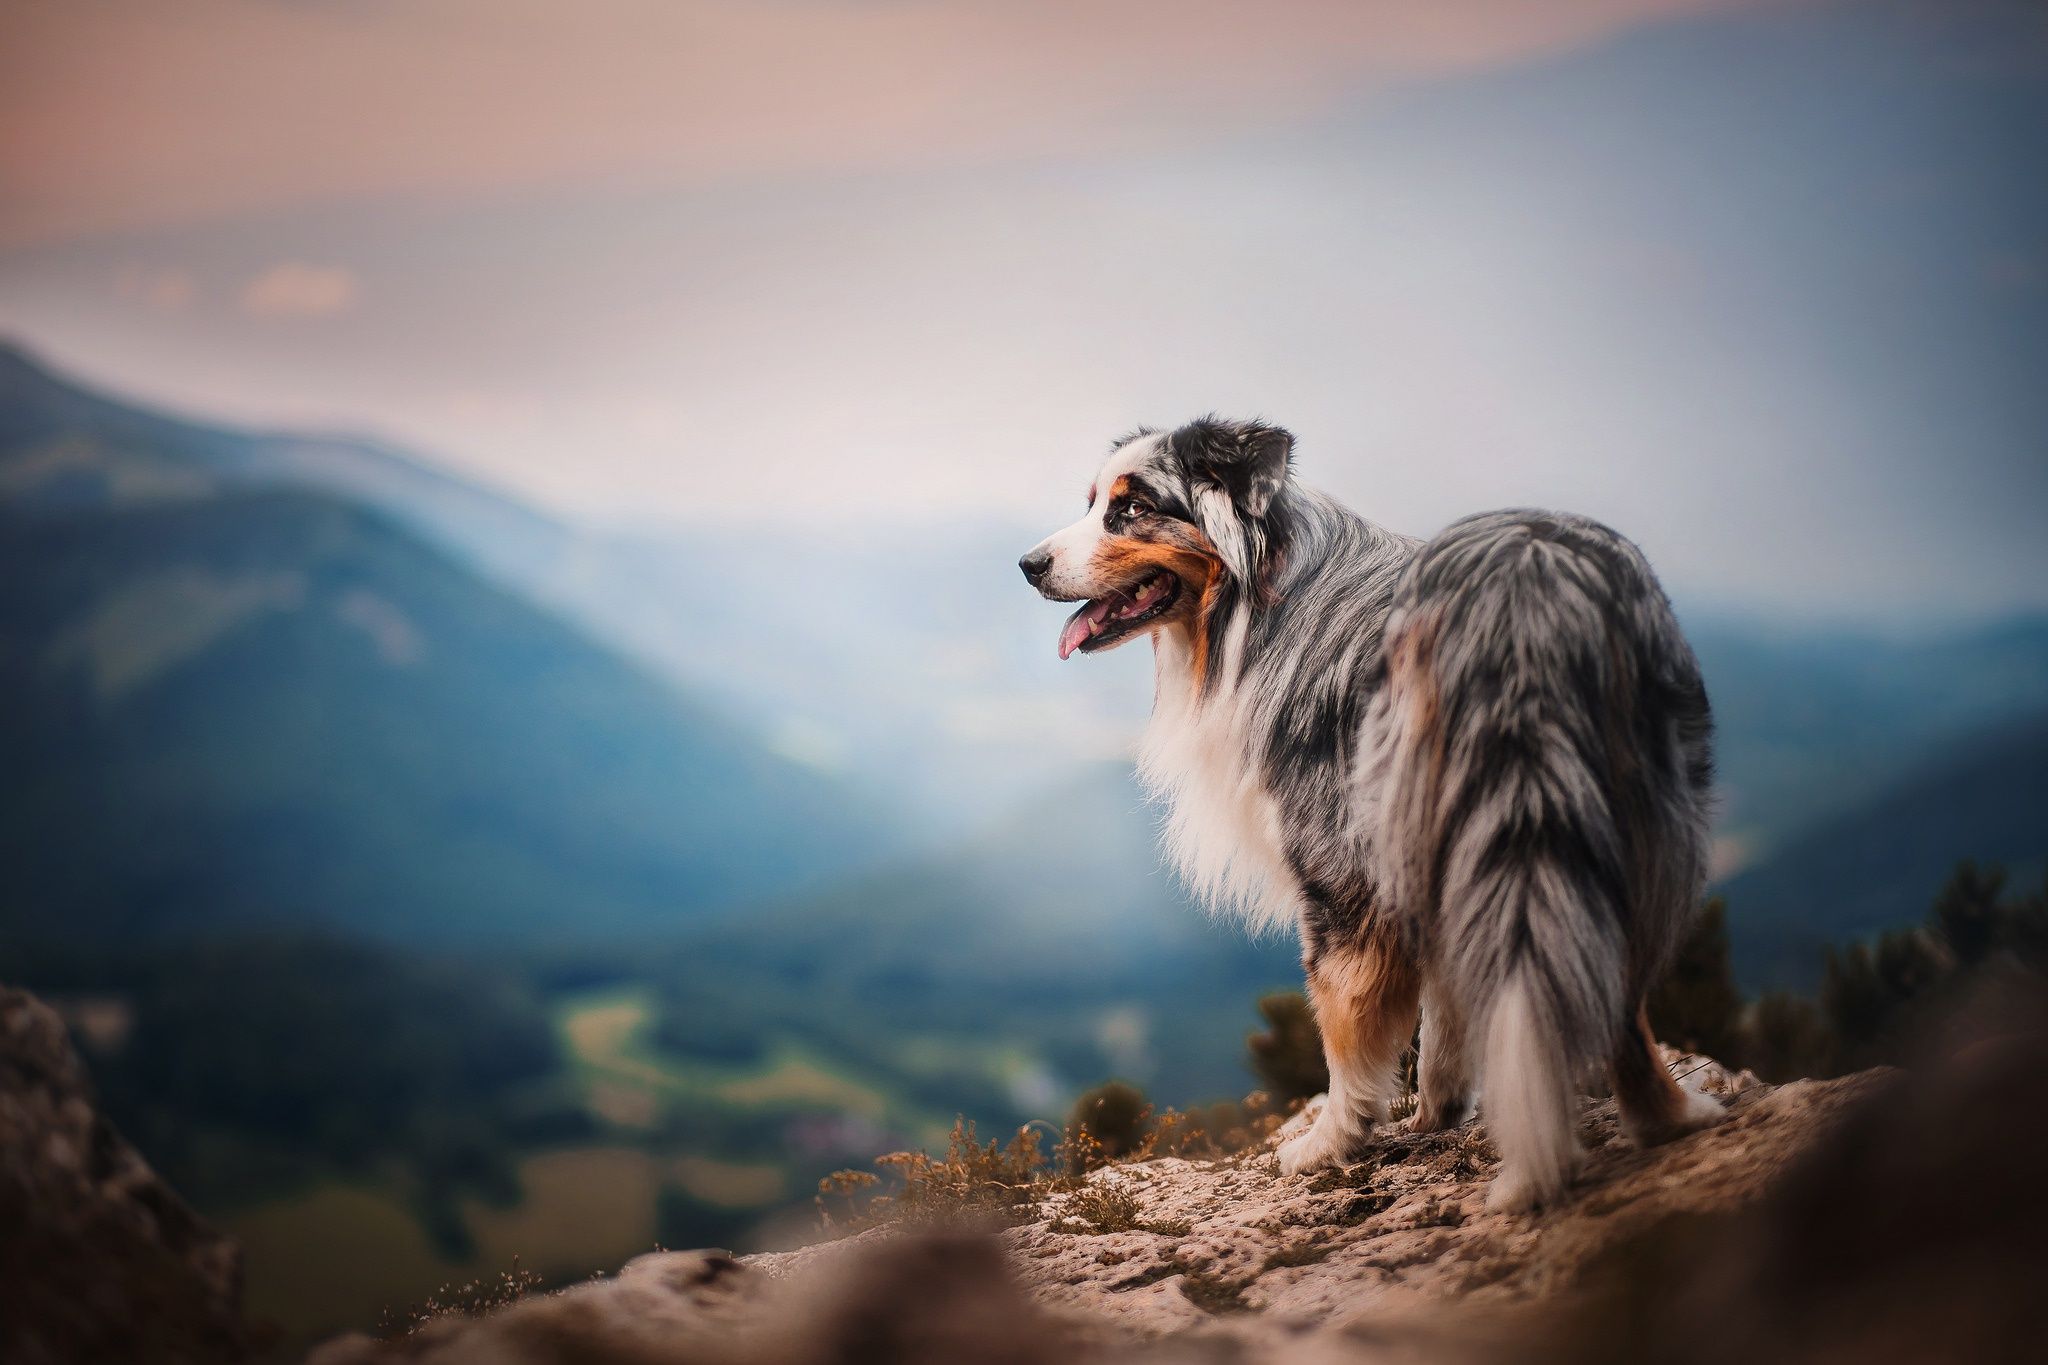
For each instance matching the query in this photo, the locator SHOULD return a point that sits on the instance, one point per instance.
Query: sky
(1765, 284)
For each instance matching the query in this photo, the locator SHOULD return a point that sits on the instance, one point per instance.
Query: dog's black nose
(1035, 566)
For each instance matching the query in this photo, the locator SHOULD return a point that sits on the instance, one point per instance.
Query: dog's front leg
(1365, 992)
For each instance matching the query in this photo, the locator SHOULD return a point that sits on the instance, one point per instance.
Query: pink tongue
(1081, 625)
(1075, 635)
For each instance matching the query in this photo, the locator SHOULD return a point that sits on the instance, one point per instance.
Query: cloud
(293, 289)
(131, 114)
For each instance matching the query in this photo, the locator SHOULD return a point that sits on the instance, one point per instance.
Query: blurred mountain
(1813, 723)
(66, 448)
(228, 704)
(911, 656)
(1879, 864)
(907, 669)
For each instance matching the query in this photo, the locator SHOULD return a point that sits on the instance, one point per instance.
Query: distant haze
(1764, 284)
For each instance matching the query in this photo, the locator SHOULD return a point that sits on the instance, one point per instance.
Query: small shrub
(1288, 1057)
(1098, 1209)
(1116, 1117)
(1967, 912)
(1785, 1038)
(1872, 994)
(844, 1187)
(972, 1182)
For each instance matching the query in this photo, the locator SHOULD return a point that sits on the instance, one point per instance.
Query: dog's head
(1170, 516)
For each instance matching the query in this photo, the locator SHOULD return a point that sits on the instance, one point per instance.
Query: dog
(1473, 773)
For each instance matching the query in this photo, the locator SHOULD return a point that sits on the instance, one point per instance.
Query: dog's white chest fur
(1222, 830)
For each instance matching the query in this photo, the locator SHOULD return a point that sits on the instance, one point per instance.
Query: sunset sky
(1764, 283)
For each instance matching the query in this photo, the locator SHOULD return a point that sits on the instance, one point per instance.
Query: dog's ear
(1248, 461)
(1234, 471)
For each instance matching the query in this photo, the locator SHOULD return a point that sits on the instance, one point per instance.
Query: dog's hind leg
(1654, 1107)
(1444, 1069)
(1365, 991)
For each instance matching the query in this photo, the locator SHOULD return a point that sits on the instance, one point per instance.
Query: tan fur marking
(1418, 723)
(1415, 662)
(1187, 554)
(1125, 560)
(1642, 1085)
(1366, 995)
(1198, 651)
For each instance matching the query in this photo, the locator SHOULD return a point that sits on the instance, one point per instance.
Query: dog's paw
(1438, 1118)
(1325, 1144)
(1696, 1112)
(1515, 1191)
(1701, 1111)
(1512, 1194)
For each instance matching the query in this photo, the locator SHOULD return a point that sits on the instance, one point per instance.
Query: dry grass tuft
(1002, 1183)
(973, 1182)
(1099, 1209)
(473, 1299)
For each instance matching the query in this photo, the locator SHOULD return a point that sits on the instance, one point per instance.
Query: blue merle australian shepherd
(1473, 771)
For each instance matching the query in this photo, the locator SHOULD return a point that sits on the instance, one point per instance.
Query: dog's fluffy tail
(1527, 1085)
(1535, 777)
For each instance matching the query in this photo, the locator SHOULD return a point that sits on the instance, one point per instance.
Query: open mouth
(1105, 620)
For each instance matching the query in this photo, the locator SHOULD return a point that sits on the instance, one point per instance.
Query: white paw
(1516, 1191)
(1512, 1194)
(1324, 1144)
(1438, 1119)
(1699, 1111)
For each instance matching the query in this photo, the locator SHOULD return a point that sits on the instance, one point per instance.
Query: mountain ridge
(226, 707)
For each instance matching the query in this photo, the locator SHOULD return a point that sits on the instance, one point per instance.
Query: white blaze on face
(1072, 575)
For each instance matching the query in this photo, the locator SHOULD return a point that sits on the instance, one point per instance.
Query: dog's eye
(1134, 510)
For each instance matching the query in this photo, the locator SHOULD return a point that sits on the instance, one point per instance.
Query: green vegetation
(1115, 1117)
(251, 1067)
(1877, 998)
(1288, 1057)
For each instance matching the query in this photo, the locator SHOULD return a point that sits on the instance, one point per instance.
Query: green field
(342, 1254)
(627, 1081)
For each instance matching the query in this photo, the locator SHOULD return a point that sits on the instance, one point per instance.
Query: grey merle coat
(1474, 773)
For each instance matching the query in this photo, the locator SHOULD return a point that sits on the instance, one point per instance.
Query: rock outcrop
(99, 1259)
(1658, 1254)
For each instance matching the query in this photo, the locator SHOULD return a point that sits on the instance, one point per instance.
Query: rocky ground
(99, 1259)
(1394, 1258)
(1233, 1246)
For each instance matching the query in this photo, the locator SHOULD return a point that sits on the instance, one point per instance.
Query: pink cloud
(131, 114)
(293, 289)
